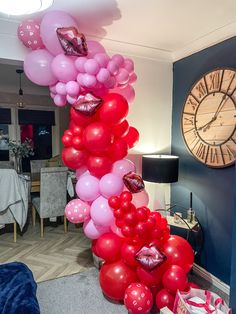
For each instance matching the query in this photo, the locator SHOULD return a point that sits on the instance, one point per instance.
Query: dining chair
(36, 165)
(6, 165)
(53, 196)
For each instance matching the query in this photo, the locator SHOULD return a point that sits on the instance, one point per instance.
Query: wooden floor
(56, 255)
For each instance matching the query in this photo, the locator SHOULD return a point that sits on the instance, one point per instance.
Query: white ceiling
(157, 29)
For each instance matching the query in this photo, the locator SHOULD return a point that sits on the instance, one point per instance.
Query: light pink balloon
(112, 67)
(93, 231)
(132, 79)
(72, 88)
(59, 100)
(50, 22)
(118, 59)
(77, 211)
(71, 100)
(61, 88)
(63, 68)
(87, 188)
(89, 80)
(29, 34)
(102, 59)
(91, 66)
(103, 75)
(111, 185)
(52, 95)
(79, 64)
(101, 213)
(129, 65)
(123, 76)
(82, 171)
(53, 88)
(140, 199)
(37, 67)
(128, 92)
(122, 167)
(94, 47)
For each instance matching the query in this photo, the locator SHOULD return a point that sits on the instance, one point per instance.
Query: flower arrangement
(21, 150)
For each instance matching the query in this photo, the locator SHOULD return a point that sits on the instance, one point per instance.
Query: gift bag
(198, 301)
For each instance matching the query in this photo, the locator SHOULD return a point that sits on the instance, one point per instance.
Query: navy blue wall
(213, 189)
(233, 259)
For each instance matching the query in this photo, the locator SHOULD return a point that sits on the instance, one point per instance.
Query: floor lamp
(160, 169)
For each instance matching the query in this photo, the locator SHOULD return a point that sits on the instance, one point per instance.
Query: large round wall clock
(209, 118)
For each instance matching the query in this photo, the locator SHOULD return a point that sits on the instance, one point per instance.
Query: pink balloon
(122, 167)
(79, 64)
(103, 75)
(52, 89)
(116, 230)
(112, 67)
(37, 67)
(82, 171)
(91, 66)
(102, 59)
(29, 34)
(87, 188)
(89, 80)
(101, 213)
(72, 88)
(63, 68)
(52, 95)
(80, 79)
(111, 83)
(94, 47)
(140, 199)
(71, 100)
(50, 22)
(123, 76)
(118, 59)
(77, 211)
(61, 88)
(132, 79)
(60, 100)
(129, 65)
(128, 92)
(111, 184)
(93, 231)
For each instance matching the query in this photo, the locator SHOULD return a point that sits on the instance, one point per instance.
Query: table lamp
(160, 169)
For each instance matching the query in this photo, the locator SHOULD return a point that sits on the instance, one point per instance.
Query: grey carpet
(75, 294)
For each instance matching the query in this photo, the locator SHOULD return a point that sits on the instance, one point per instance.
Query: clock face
(209, 118)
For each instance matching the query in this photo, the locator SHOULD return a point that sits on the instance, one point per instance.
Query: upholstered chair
(53, 195)
(36, 165)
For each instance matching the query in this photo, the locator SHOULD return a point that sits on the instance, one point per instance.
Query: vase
(18, 164)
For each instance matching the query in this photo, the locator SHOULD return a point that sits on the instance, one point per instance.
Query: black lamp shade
(160, 168)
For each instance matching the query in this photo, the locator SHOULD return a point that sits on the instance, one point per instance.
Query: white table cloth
(13, 196)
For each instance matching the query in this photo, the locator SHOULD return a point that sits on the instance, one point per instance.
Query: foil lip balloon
(72, 42)
(87, 104)
(150, 257)
(133, 182)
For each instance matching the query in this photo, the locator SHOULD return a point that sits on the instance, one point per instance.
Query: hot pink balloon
(82, 171)
(129, 65)
(102, 59)
(29, 34)
(77, 211)
(61, 88)
(111, 185)
(59, 100)
(63, 68)
(122, 167)
(37, 67)
(101, 213)
(72, 88)
(53, 88)
(50, 22)
(140, 199)
(94, 47)
(128, 92)
(93, 231)
(118, 59)
(132, 79)
(87, 188)
(112, 67)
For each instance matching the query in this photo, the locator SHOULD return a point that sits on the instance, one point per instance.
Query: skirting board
(211, 278)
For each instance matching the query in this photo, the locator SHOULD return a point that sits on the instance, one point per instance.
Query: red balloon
(128, 231)
(118, 149)
(179, 252)
(138, 298)
(174, 279)
(141, 229)
(67, 140)
(99, 165)
(120, 130)
(130, 218)
(74, 158)
(119, 213)
(142, 213)
(114, 202)
(126, 205)
(79, 118)
(97, 137)
(164, 298)
(128, 252)
(132, 137)
(77, 130)
(150, 278)
(126, 196)
(77, 142)
(108, 247)
(114, 109)
(115, 278)
(93, 247)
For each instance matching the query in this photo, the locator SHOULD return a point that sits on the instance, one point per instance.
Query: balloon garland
(142, 262)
